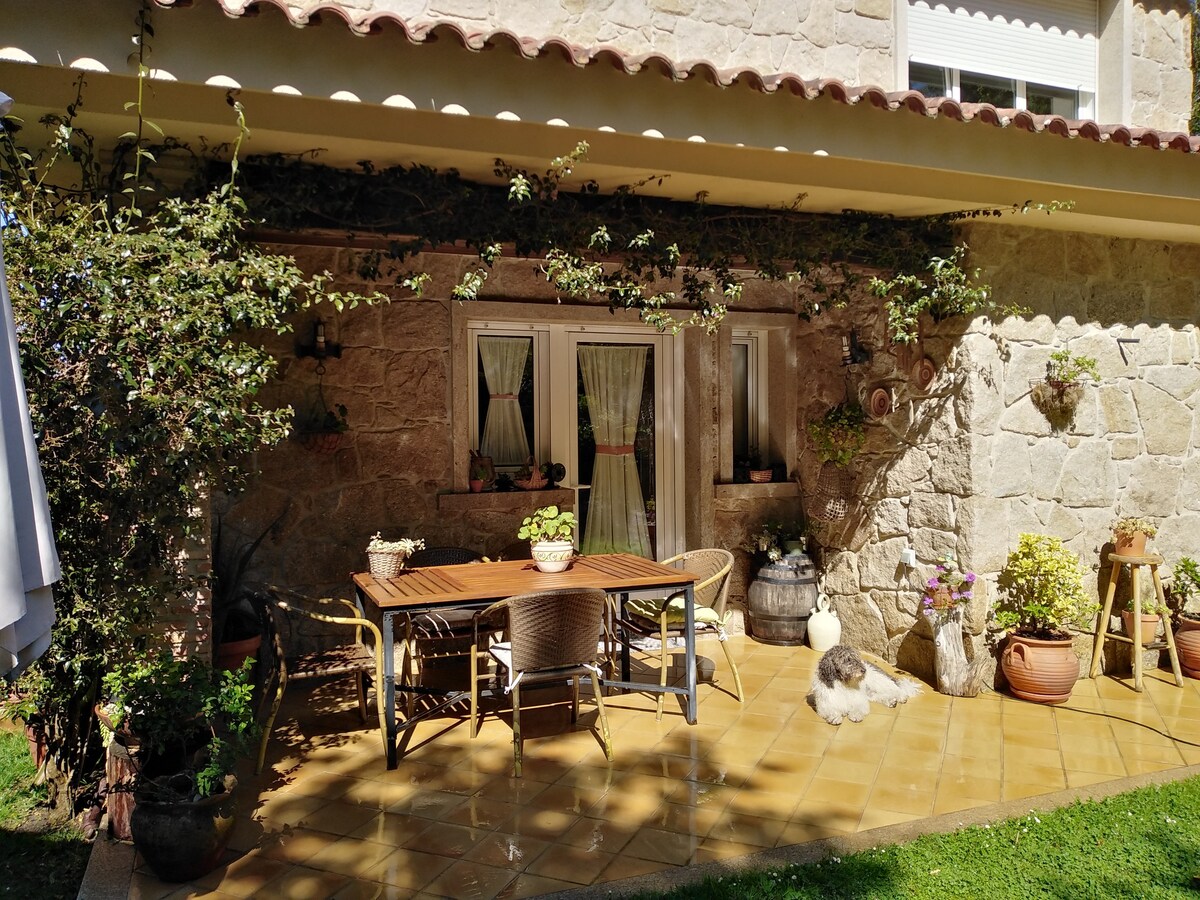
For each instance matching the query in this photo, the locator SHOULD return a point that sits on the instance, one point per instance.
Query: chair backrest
(517, 550)
(442, 556)
(711, 568)
(554, 629)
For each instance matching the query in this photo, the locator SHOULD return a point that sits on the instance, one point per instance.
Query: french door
(604, 403)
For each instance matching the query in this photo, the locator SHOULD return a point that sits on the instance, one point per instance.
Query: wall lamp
(320, 348)
(853, 353)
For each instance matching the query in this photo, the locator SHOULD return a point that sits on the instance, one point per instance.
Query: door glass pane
(616, 451)
(741, 401)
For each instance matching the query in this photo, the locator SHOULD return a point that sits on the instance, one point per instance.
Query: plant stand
(1135, 563)
(955, 674)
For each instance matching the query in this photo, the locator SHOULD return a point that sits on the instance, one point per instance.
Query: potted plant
(1042, 593)
(1151, 614)
(386, 558)
(322, 427)
(946, 592)
(479, 474)
(1058, 394)
(190, 726)
(237, 612)
(1130, 534)
(1185, 589)
(838, 437)
(550, 532)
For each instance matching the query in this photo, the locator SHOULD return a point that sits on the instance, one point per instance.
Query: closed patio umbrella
(28, 558)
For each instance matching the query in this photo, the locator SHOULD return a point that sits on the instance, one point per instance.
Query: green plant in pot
(1185, 592)
(550, 532)
(190, 726)
(1058, 394)
(1130, 534)
(237, 611)
(1041, 597)
(1151, 613)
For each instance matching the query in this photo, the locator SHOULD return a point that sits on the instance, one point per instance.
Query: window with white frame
(506, 391)
(1010, 53)
(748, 384)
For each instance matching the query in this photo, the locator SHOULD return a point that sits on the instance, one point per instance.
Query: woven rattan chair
(550, 636)
(661, 619)
(354, 657)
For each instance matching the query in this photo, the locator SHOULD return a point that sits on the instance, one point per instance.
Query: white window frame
(540, 445)
(1085, 101)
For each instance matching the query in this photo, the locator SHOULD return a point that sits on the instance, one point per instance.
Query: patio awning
(28, 558)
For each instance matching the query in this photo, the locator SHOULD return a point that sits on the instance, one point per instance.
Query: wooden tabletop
(475, 582)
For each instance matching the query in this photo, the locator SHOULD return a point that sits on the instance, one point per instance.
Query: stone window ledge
(508, 500)
(752, 491)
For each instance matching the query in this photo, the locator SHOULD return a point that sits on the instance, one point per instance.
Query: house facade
(753, 105)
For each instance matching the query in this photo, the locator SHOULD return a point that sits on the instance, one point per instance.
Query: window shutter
(1053, 43)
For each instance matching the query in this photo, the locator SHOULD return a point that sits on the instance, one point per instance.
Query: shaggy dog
(845, 684)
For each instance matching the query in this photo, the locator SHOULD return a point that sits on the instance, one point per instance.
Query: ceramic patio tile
(662, 846)
(349, 856)
(370, 890)
(426, 804)
(295, 845)
(625, 866)
(580, 865)
(844, 771)
(244, 877)
(469, 881)
(507, 851)
(712, 849)
(526, 885)
(301, 883)
(747, 829)
(410, 869)
(879, 818)
(835, 791)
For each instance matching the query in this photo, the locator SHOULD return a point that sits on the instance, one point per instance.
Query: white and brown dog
(845, 685)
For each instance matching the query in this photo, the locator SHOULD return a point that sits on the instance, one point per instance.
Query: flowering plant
(949, 587)
(404, 546)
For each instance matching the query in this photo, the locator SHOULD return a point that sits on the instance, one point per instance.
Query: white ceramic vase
(824, 627)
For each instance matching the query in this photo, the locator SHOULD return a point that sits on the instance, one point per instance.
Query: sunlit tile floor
(327, 819)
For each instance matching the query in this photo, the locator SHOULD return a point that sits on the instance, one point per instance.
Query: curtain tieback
(502, 396)
(615, 449)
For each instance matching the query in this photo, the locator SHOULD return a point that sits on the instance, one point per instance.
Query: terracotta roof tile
(810, 89)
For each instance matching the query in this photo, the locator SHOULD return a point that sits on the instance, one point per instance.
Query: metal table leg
(389, 685)
(689, 640)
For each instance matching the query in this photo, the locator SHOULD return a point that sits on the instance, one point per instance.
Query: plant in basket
(1042, 595)
(387, 558)
(1130, 534)
(1058, 394)
(838, 437)
(190, 726)
(949, 585)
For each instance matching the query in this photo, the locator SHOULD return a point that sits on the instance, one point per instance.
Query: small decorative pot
(941, 598)
(1187, 643)
(553, 556)
(476, 485)
(1134, 545)
(230, 655)
(1038, 670)
(824, 627)
(1149, 626)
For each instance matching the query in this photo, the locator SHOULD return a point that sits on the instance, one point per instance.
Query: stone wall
(1161, 75)
(971, 463)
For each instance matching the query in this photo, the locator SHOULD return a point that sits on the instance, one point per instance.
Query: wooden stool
(1135, 563)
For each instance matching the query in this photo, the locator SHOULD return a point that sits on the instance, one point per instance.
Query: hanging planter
(1058, 394)
(838, 437)
(831, 499)
(319, 427)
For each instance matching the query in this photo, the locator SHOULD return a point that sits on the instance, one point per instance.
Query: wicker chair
(551, 636)
(355, 657)
(711, 568)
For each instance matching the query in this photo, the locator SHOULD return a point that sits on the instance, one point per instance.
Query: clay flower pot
(1039, 670)
(1187, 643)
(1149, 626)
(553, 556)
(1135, 545)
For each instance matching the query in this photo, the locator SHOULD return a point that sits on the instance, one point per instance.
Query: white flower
(404, 546)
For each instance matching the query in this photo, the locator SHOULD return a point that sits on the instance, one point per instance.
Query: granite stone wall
(1161, 71)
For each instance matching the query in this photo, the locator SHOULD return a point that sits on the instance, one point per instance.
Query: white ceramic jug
(824, 627)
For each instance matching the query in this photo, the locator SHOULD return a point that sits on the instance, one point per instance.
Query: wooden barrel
(781, 599)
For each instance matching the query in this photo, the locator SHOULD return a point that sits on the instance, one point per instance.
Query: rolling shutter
(1051, 43)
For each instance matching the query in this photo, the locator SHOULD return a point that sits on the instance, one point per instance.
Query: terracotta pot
(1149, 626)
(37, 745)
(941, 598)
(1131, 546)
(231, 654)
(1187, 643)
(476, 485)
(1037, 670)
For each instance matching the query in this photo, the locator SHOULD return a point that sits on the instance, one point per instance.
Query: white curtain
(504, 437)
(28, 558)
(616, 518)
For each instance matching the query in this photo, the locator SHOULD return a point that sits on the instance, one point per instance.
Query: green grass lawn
(38, 858)
(1144, 844)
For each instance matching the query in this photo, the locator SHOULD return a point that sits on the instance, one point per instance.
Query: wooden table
(476, 585)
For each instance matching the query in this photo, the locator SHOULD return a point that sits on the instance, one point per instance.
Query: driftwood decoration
(956, 675)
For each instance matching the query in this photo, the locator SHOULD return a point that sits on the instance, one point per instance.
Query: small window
(1045, 100)
(504, 424)
(975, 88)
(749, 396)
(929, 80)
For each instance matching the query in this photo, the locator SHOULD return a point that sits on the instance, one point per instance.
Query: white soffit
(1053, 43)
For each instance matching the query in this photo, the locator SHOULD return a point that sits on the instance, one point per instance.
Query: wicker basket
(760, 476)
(386, 563)
(535, 481)
(831, 500)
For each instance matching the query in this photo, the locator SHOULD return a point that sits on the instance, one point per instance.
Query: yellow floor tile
(662, 846)
(468, 879)
(409, 869)
(579, 865)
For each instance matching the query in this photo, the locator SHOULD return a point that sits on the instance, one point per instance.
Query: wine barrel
(781, 599)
